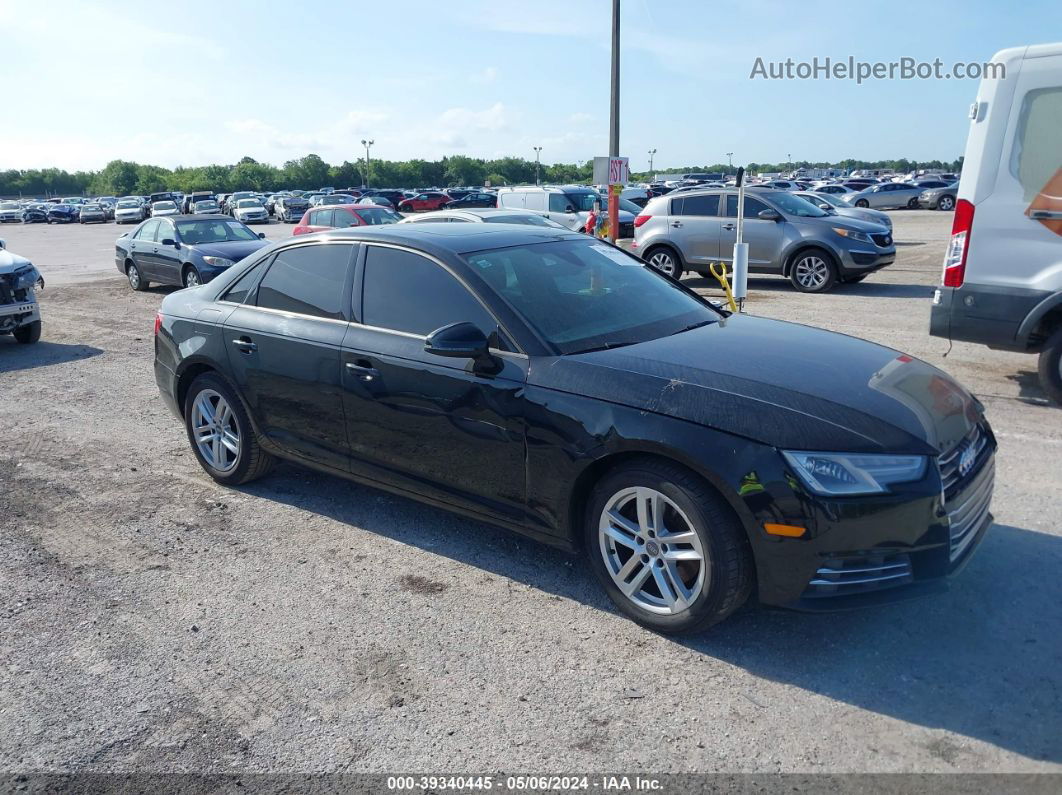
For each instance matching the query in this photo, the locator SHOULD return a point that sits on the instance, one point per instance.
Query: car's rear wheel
(862, 203)
(191, 277)
(666, 261)
(813, 271)
(29, 333)
(945, 203)
(1050, 366)
(136, 280)
(666, 548)
(221, 434)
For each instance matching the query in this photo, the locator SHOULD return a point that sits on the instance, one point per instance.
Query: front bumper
(866, 259)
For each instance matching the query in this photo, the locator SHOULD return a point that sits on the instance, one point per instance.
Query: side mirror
(460, 341)
(261, 235)
(3, 243)
(824, 206)
(569, 209)
(169, 241)
(769, 215)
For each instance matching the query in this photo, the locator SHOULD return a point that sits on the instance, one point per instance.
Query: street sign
(611, 170)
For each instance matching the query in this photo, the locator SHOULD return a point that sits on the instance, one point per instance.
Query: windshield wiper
(606, 346)
(691, 327)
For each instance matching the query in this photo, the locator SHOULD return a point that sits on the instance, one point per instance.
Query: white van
(1002, 283)
(566, 204)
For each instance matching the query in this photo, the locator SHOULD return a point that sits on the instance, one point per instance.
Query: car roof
(441, 239)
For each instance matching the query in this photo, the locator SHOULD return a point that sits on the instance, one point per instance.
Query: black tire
(801, 263)
(191, 277)
(136, 280)
(252, 462)
(729, 570)
(1050, 366)
(28, 334)
(664, 260)
(946, 203)
(862, 203)
(912, 204)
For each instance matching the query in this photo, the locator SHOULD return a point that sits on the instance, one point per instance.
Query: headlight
(218, 262)
(846, 474)
(851, 234)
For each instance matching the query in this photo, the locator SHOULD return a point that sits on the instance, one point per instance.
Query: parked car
(394, 196)
(569, 205)
(321, 219)
(187, 249)
(471, 368)
(892, 194)
(471, 200)
(836, 190)
(162, 208)
(486, 215)
(20, 314)
(63, 213)
(250, 211)
(380, 201)
(108, 204)
(290, 209)
(834, 204)
(229, 204)
(10, 213)
(92, 214)
(332, 199)
(192, 199)
(939, 198)
(206, 207)
(129, 210)
(34, 214)
(422, 202)
(786, 234)
(1002, 281)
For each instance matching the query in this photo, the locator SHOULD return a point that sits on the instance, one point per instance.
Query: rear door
(696, 227)
(142, 249)
(283, 346)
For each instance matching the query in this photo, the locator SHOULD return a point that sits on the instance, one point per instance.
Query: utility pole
(367, 144)
(651, 153)
(730, 160)
(538, 150)
(613, 118)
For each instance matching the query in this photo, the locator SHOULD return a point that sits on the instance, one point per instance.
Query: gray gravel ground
(153, 620)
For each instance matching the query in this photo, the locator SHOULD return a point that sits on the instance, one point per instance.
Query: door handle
(245, 345)
(1046, 215)
(676, 224)
(363, 370)
(728, 227)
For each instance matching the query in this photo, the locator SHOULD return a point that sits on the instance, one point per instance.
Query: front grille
(968, 476)
(870, 572)
(882, 240)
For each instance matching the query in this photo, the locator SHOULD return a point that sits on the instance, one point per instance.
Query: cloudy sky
(190, 82)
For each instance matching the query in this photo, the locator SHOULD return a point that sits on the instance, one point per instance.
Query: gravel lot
(153, 620)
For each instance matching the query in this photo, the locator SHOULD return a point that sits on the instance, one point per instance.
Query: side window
(147, 231)
(535, 201)
(512, 200)
(308, 280)
(343, 219)
(753, 207)
(559, 202)
(239, 291)
(700, 205)
(321, 218)
(1037, 153)
(404, 291)
(165, 230)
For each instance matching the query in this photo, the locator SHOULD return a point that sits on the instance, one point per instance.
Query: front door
(284, 344)
(764, 237)
(167, 257)
(436, 425)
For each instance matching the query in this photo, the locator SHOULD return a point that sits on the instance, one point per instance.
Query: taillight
(955, 257)
(158, 322)
(641, 219)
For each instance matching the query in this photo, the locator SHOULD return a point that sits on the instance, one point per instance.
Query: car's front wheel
(666, 548)
(862, 203)
(191, 277)
(220, 433)
(29, 333)
(813, 271)
(946, 203)
(665, 261)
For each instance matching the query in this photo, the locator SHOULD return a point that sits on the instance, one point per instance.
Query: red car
(320, 219)
(429, 200)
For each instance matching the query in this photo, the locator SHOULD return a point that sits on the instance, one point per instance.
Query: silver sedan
(891, 194)
(839, 206)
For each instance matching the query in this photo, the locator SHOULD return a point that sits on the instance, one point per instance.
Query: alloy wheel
(191, 278)
(811, 272)
(663, 262)
(133, 274)
(946, 203)
(651, 550)
(214, 429)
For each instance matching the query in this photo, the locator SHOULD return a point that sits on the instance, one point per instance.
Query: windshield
(213, 231)
(528, 220)
(129, 204)
(8, 206)
(794, 205)
(374, 216)
(248, 203)
(824, 198)
(165, 206)
(337, 198)
(206, 205)
(583, 295)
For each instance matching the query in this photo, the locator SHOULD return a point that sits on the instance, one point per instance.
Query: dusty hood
(779, 383)
(9, 263)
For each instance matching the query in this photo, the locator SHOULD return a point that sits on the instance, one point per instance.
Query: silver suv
(786, 234)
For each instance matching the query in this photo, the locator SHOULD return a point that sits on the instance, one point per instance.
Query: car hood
(9, 263)
(845, 222)
(233, 249)
(875, 217)
(782, 384)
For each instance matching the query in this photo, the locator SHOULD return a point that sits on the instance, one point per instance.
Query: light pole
(730, 160)
(789, 157)
(367, 144)
(651, 153)
(538, 149)
(613, 120)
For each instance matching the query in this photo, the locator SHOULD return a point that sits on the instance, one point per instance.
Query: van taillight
(158, 322)
(955, 257)
(641, 219)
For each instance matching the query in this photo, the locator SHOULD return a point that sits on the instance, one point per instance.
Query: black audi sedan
(188, 250)
(550, 383)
